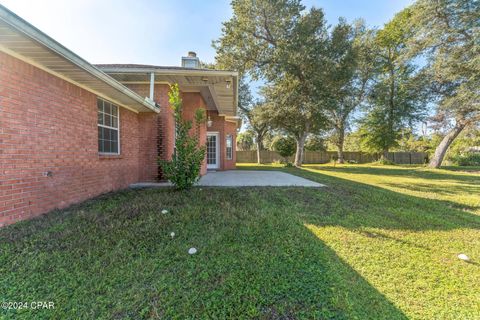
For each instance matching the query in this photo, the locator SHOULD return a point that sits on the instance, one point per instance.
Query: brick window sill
(110, 156)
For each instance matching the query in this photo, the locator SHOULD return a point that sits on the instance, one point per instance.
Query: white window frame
(112, 128)
(229, 136)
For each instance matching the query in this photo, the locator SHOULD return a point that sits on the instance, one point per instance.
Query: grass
(379, 242)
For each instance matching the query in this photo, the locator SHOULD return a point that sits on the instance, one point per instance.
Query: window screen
(108, 123)
(229, 145)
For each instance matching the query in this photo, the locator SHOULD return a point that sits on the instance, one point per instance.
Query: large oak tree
(277, 40)
(447, 36)
(351, 53)
(397, 99)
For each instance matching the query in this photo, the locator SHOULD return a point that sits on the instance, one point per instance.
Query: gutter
(171, 71)
(236, 119)
(40, 37)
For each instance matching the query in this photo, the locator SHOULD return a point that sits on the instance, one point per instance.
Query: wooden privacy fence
(327, 156)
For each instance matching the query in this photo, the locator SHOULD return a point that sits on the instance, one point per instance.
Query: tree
(352, 68)
(353, 142)
(254, 39)
(467, 141)
(447, 35)
(260, 123)
(183, 170)
(396, 99)
(245, 140)
(278, 40)
(315, 143)
(285, 146)
(269, 138)
(296, 114)
(253, 112)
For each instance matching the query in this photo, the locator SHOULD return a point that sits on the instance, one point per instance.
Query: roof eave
(171, 71)
(179, 72)
(35, 34)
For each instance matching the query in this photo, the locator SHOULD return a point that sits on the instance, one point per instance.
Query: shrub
(285, 146)
(184, 168)
(466, 159)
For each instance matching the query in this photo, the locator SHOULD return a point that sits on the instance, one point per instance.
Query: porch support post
(152, 83)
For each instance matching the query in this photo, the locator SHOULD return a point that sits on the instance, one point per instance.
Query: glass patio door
(213, 159)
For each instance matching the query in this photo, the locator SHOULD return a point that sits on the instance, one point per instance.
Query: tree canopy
(447, 35)
(397, 98)
(319, 78)
(281, 43)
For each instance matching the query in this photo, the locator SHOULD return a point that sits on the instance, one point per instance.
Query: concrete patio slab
(243, 178)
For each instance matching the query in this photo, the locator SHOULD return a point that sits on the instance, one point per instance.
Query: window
(108, 138)
(229, 145)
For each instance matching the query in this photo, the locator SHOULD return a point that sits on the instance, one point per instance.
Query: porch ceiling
(219, 89)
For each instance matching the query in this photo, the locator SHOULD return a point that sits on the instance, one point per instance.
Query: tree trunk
(391, 102)
(340, 155)
(383, 156)
(300, 148)
(340, 142)
(259, 148)
(442, 148)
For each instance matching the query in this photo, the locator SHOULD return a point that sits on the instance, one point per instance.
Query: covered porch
(214, 90)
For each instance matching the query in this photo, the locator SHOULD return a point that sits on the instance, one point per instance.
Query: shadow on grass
(378, 207)
(423, 173)
(466, 169)
(441, 189)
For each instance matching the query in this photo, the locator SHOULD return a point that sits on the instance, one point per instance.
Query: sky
(160, 32)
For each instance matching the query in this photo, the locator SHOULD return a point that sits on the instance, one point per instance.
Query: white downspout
(152, 83)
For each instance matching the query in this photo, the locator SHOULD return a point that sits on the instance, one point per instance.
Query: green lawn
(379, 242)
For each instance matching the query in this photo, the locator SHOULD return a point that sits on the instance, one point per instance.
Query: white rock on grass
(463, 257)
(172, 234)
(192, 251)
(164, 211)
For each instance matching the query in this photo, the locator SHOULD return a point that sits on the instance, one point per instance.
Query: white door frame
(217, 150)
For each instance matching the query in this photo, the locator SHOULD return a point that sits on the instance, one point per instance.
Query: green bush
(285, 147)
(184, 168)
(466, 159)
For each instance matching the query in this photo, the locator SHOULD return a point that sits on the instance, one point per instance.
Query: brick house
(70, 130)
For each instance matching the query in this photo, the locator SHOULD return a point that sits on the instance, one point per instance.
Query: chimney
(191, 60)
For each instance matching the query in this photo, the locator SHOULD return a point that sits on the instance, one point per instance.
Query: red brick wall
(191, 101)
(48, 124)
(165, 124)
(230, 128)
